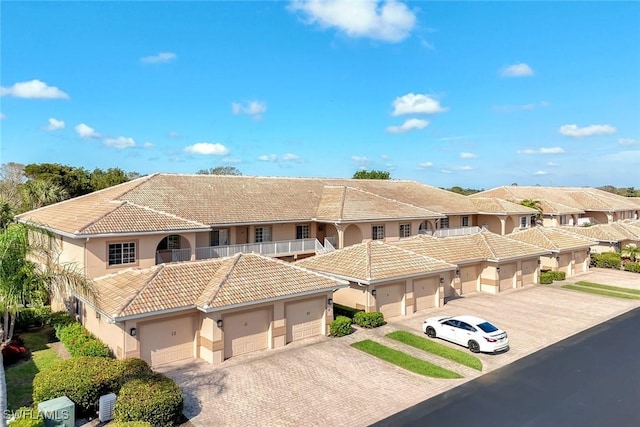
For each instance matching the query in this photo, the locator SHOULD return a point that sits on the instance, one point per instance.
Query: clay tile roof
(503, 247)
(217, 283)
(600, 232)
(374, 261)
(555, 238)
(499, 206)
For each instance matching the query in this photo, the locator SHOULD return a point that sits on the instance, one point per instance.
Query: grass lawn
(610, 291)
(20, 376)
(433, 347)
(404, 360)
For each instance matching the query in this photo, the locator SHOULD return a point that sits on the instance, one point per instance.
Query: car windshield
(487, 327)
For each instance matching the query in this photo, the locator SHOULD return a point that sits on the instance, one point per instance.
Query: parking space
(324, 381)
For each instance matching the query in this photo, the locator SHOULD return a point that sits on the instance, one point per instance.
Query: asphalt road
(590, 379)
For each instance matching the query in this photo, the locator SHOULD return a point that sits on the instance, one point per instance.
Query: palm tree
(29, 273)
(534, 204)
(632, 251)
(40, 192)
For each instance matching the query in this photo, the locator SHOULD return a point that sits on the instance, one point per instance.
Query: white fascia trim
(279, 298)
(408, 276)
(153, 313)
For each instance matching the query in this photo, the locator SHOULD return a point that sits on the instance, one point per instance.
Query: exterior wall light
(133, 332)
(442, 280)
(498, 269)
(373, 292)
(330, 302)
(219, 323)
(458, 272)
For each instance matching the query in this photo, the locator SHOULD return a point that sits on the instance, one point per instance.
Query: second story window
(465, 221)
(263, 234)
(122, 253)
(523, 222)
(377, 232)
(444, 222)
(220, 237)
(302, 231)
(173, 242)
(405, 230)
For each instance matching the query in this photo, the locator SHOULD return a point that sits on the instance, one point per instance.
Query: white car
(473, 332)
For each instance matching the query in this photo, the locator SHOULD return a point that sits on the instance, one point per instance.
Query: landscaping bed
(607, 290)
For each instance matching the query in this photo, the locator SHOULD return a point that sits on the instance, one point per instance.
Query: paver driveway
(324, 381)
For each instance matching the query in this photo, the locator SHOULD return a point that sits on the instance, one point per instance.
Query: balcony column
(503, 225)
(340, 236)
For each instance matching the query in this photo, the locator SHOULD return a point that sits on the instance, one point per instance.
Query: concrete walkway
(324, 381)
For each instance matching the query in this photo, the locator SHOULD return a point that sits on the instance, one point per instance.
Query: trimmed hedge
(369, 320)
(27, 417)
(130, 424)
(343, 310)
(85, 379)
(78, 340)
(606, 260)
(155, 399)
(633, 267)
(32, 317)
(340, 327)
(547, 276)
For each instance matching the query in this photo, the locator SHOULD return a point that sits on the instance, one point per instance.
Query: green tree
(534, 204)
(104, 179)
(75, 181)
(463, 191)
(37, 193)
(220, 170)
(372, 174)
(23, 280)
(632, 251)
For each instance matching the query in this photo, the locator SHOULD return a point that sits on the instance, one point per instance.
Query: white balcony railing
(463, 231)
(279, 248)
(173, 255)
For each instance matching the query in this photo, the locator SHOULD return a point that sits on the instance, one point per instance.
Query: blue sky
(475, 94)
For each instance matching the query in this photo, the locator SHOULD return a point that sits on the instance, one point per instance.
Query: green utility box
(58, 412)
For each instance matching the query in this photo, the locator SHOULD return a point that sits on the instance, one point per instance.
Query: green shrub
(27, 417)
(33, 317)
(81, 342)
(546, 278)
(133, 368)
(93, 348)
(130, 424)
(606, 260)
(558, 275)
(343, 310)
(369, 320)
(340, 327)
(633, 267)
(61, 318)
(156, 399)
(81, 379)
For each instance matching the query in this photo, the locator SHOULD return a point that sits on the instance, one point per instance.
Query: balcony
(463, 231)
(274, 249)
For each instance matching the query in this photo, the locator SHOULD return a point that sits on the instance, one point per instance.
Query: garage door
(529, 272)
(469, 279)
(304, 318)
(565, 263)
(166, 341)
(425, 291)
(581, 261)
(507, 274)
(389, 299)
(246, 332)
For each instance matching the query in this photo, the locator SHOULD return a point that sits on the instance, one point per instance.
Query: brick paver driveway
(323, 381)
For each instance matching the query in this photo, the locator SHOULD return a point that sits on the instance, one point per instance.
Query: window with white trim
(303, 231)
(464, 221)
(444, 222)
(405, 230)
(122, 253)
(263, 234)
(377, 232)
(220, 237)
(563, 219)
(523, 222)
(173, 242)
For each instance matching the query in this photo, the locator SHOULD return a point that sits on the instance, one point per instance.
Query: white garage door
(166, 341)
(425, 292)
(507, 274)
(565, 263)
(469, 279)
(529, 272)
(389, 299)
(304, 318)
(246, 332)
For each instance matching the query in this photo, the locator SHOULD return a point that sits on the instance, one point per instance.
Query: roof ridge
(224, 279)
(106, 214)
(342, 202)
(142, 288)
(426, 257)
(165, 213)
(394, 200)
(368, 260)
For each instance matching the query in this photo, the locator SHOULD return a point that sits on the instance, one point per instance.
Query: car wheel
(431, 333)
(474, 347)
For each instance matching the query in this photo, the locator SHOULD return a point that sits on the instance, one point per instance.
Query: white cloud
(173, 134)
(207, 149)
(251, 108)
(464, 168)
(389, 21)
(54, 124)
(33, 89)
(3, 116)
(287, 157)
(577, 132)
(120, 142)
(417, 104)
(362, 161)
(540, 173)
(86, 131)
(424, 165)
(148, 144)
(517, 70)
(160, 58)
(512, 108)
(552, 164)
(385, 157)
(445, 171)
(468, 155)
(628, 141)
(543, 150)
(411, 124)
